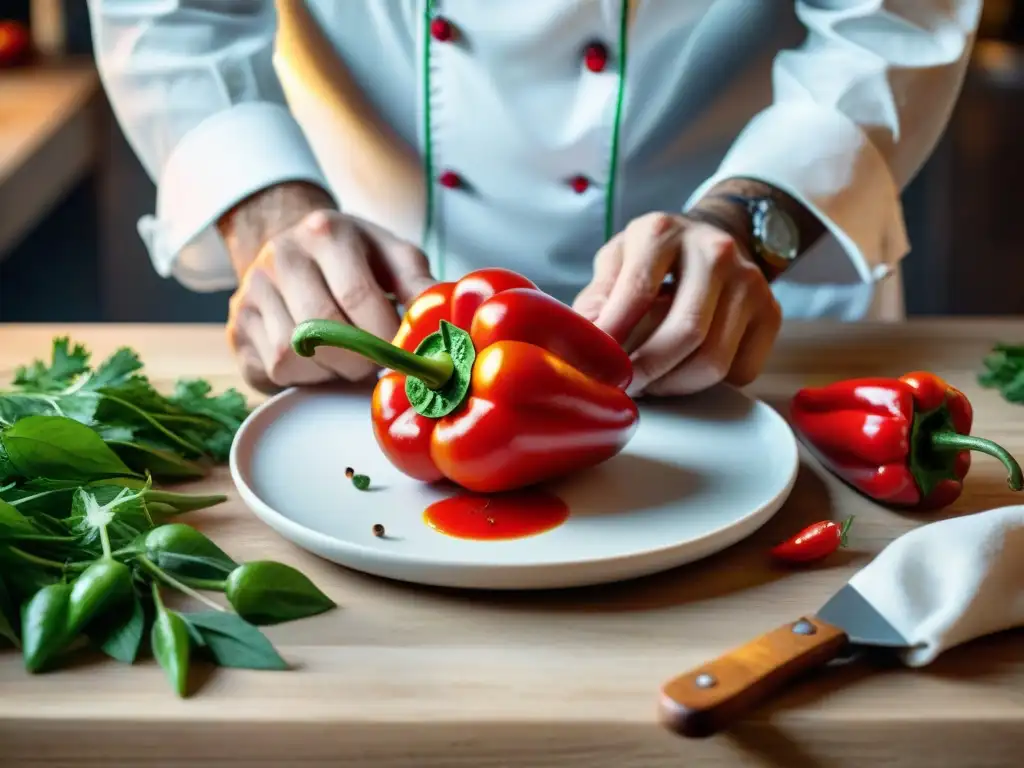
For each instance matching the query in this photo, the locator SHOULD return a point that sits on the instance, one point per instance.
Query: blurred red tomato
(14, 43)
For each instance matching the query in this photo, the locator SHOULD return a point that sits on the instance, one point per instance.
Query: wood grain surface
(407, 676)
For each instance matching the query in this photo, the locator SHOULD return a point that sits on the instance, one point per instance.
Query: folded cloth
(951, 581)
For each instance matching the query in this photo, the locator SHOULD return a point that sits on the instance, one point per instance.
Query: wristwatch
(773, 236)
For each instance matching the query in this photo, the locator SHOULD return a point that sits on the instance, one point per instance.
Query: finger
(686, 325)
(712, 361)
(274, 343)
(755, 347)
(650, 249)
(242, 322)
(400, 265)
(607, 265)
(342, 252)
(307, 296)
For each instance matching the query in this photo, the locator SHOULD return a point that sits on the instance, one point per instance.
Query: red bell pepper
(905, 442)
(493, 384)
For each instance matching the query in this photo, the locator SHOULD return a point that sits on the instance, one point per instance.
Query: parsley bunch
(88, 545)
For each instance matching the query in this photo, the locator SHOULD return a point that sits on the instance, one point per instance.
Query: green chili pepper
(44, 621)
(105, 585)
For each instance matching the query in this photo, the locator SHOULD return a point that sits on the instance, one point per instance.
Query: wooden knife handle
(713, 696)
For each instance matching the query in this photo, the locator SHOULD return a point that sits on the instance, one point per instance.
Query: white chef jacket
(523, 133)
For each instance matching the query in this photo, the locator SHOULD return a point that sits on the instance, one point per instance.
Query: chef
(685, 173)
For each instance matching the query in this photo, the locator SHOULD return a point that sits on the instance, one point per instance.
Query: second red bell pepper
(493, 384)
(905, 442)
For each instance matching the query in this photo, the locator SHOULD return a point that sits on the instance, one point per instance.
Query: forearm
(251, 223)
(716, 208)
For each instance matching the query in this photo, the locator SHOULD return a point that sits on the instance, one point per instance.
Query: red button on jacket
(595, 56)
(449, 179)
(441, 29)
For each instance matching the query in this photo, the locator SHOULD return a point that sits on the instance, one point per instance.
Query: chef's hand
(718, 323)
(329, 266)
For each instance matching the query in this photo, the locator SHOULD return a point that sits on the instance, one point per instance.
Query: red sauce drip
(491, 518)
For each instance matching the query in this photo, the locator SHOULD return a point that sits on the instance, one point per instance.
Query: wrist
(772, 227)
(248, 225)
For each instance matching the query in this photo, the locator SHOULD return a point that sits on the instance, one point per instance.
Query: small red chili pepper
(814, 542)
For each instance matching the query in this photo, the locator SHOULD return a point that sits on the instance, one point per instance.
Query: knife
(711, 697)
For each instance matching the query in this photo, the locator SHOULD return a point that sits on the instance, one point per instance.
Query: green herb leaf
(171, 643)
(12, 522)
(267, 592)
(7, 616)
(233, 642)
(44, 632)
(66, 364)
(184, 551)
(59, 448)
(104, 586)
(119, 634)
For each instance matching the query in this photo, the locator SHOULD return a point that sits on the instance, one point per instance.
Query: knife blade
(708, 699)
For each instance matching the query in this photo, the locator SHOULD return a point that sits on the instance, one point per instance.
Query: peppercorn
(378, 530)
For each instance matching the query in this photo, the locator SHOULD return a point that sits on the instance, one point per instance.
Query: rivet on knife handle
(713, 696)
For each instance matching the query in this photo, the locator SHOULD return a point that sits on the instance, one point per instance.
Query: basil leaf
(233, 642)
(120, 634)
(60, 448)
(172, 645)
(184, 551)
(12, 522)
(161, 464)
(266, 592)
(44, 626)
(7, 616)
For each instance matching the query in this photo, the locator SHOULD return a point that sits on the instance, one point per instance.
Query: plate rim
(318, 542)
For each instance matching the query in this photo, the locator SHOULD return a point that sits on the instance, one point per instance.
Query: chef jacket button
(580, 184)
(441, 29)
(595, 57)
(449, 179)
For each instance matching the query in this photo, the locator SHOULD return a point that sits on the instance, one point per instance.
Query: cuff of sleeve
(827, 163)
(229, 156)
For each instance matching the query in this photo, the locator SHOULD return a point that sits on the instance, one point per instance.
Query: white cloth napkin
(951, 581)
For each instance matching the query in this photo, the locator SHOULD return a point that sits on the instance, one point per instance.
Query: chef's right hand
(325, 266)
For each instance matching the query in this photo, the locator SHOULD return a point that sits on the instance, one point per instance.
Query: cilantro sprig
(88, 545)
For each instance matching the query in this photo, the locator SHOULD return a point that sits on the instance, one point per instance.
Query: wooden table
(423, 677)
(48, 140)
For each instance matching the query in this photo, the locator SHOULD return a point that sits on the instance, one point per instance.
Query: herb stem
(157, 572)
(41, 537)
(105, 542)
(28, 557)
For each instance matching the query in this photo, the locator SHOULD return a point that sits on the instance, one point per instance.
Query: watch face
(777, 233)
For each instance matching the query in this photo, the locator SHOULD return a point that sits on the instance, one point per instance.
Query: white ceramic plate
(700, 474)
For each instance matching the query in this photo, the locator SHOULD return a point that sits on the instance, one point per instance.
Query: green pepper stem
(434, 372)
(157, 572)
(211, 585)
(954, 441)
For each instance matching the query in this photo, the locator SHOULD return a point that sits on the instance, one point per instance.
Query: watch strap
(771, 269)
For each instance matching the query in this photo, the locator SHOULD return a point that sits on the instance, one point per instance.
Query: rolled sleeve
(857, 110)
(223, 160)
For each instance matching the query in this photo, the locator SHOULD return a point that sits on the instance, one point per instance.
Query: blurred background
(71, 190)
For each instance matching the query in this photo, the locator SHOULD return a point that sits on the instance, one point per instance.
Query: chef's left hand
(718, 324)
